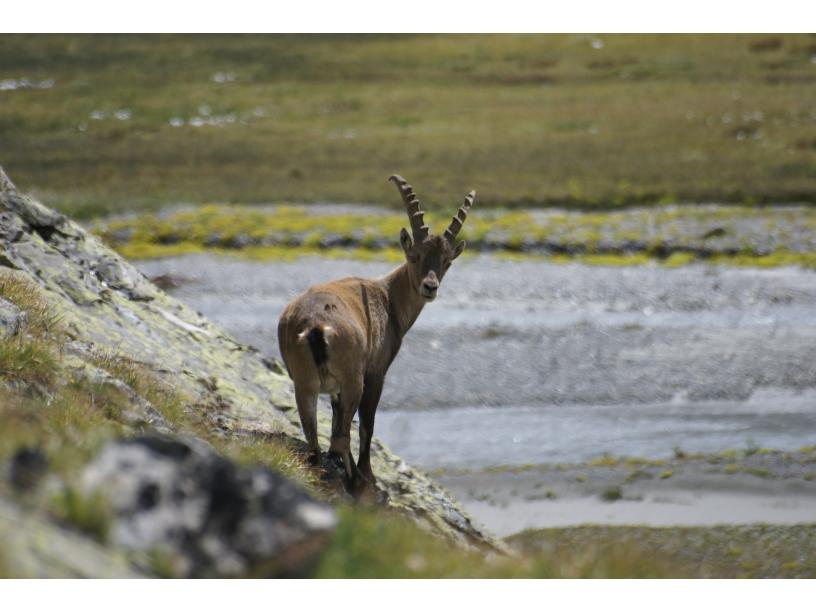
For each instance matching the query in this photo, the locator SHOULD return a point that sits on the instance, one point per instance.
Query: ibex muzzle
(340, 338)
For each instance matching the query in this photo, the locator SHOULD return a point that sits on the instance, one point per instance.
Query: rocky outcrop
(106, 304)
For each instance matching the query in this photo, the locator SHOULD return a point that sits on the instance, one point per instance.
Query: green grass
(28, 362)
(524, 119)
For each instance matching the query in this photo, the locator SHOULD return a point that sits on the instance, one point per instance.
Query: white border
(84, 16)
(407, 595)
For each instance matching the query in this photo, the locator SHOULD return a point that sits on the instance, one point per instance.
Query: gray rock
(11, 318)
(27, 467)
(213, 518)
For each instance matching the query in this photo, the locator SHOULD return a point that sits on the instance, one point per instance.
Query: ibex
(340, 337)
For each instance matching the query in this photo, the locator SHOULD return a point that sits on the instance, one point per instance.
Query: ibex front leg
(344, 406)
(368, 407)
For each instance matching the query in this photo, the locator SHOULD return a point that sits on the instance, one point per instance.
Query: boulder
(175, 496)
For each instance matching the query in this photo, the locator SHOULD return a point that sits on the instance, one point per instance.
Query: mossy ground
(670, 236)
(581, 120)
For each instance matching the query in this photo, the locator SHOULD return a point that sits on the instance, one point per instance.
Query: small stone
(11, 319)
(28, 466)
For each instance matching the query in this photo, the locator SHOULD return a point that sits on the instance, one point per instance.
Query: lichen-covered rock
(104, 300)
(177, 497)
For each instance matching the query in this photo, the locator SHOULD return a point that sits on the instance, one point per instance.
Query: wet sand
(675, 508)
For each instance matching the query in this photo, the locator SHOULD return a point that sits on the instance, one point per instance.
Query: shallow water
(524, 362)
(509, 435)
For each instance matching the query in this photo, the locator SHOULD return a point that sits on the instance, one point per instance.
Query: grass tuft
(273, 452)
(27, 360)
(612, 494)
(145, 383)
(89, 513)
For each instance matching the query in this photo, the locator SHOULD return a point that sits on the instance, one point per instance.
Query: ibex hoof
(366, 491)
(335, 460)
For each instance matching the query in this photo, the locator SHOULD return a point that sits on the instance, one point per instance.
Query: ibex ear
(457, 250)
(406, 242)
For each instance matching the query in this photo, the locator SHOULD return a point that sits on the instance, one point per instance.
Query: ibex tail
(316, 337)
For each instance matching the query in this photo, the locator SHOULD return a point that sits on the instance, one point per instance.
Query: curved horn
(412, 207)
(459, 220)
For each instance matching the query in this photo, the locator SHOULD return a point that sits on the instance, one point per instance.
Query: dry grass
(273, 452)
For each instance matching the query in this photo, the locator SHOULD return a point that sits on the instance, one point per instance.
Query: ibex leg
(341, 431)
(368, 406)
(306, 399)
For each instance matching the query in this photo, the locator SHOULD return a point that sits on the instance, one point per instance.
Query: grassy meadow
(112, 123)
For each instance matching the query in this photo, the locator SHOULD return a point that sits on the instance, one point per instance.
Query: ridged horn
(459, 220)
(412, 207)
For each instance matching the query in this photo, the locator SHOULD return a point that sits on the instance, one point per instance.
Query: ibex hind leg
(344, 406)
(306, 399)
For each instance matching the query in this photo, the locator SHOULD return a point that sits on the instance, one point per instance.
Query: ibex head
(429, 257)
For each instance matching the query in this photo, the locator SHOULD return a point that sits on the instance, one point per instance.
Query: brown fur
(362, 322)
